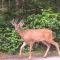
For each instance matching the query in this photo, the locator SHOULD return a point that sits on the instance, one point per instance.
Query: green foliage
(1, 19)
(9, 40)
(48, 19)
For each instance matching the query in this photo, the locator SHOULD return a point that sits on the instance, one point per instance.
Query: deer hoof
(59, 53)
(44, 56)
(20, 54)
(29, 57)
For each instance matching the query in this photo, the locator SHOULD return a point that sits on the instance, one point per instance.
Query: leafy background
(35, 14)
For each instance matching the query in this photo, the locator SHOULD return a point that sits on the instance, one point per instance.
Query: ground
(52, 55)
(16, 57)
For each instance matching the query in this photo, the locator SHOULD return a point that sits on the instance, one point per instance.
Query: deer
(30, 36)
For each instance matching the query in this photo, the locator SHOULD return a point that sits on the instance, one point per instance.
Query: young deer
(30, 36)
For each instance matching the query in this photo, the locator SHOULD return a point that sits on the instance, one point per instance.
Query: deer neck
(20, 31)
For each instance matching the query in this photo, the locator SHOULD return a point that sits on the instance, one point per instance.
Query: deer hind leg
(56, 45)
(23, 45)
(48, 48)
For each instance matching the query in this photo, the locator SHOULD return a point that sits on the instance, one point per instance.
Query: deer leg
(30, 53)
(24, 44)
(56, 45)
(48, 48)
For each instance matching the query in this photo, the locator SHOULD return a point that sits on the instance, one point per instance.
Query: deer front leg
(24, 44)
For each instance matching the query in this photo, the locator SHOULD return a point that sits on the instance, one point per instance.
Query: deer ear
(13, 22)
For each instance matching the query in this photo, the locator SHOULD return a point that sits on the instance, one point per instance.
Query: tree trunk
(17, 4)
(2, 4)
(9, 4)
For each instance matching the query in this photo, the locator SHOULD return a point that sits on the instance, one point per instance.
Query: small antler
(21, 23)
(13, 21)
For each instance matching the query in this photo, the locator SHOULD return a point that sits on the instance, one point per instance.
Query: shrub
(48, 19)
(9, 40)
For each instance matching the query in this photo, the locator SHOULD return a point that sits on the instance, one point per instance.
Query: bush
(48, 19)
(9, 40)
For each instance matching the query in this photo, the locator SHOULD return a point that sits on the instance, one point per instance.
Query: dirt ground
(16, 57)
(36, 56)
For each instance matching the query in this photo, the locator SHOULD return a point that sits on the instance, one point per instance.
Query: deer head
(16, 24)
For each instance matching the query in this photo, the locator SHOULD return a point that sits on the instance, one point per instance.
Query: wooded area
(34, 13)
